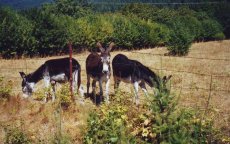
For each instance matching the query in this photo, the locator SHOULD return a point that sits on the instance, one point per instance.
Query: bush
(219, 36)
(211, 29)
(158, 120)
(108, 125)
(165, 122)
(5, 88)
(16, 36)
(180, 38)
(126, 32)
(92, 29)
(16, 136)
(64, 95)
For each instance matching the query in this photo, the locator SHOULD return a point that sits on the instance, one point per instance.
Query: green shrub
(210, 29)
(16, 37)
(108, 125)
(64, 95)
(219, 36)
(16, 136)
(63, 139)
(126, 32)
(92, 29)
(166, 122)
(52, 33)
(180, 38)
(5, 88)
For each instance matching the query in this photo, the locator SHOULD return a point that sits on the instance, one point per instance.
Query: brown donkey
(98, 68)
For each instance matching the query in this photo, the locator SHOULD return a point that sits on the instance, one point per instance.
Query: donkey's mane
(37, 74)
(148, 75)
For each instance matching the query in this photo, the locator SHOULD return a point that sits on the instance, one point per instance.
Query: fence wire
(160, 70)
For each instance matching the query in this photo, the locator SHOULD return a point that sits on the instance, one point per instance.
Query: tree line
(47, 30)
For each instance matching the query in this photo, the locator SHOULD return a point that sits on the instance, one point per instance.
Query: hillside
(23, 4)
(191, 79)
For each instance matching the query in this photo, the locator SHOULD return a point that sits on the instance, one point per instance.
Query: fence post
(209, 95)
(71, 71)
(161, 65)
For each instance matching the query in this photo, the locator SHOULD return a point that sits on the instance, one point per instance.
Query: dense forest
(47, 29)
(24, 4)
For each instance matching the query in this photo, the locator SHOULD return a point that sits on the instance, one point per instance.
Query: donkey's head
(105, 57)
(27, 86)
(164, 81)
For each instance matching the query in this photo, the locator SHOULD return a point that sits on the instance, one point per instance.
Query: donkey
(98, 68)
(132, 71)
(52, 71)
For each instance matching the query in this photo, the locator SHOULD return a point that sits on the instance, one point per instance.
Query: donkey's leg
(101, 89)
(135, 84)
(143, 87)
(46, 79)
(53, 84)
(116, 84)
(74, 81)
(77, 84)
(107, 90)
(94, 87)
(88, 84)
(94, 90)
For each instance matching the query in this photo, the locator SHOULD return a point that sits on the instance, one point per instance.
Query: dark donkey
(132, 71)
(98, 68)
(52, 71)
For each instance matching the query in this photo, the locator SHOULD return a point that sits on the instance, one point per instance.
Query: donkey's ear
(100, 47)
(169, 77)
(110, 47)
(166, 79)
(23, 75)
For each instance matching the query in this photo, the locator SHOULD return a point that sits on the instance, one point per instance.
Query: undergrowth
(158, 120)
(5, 88)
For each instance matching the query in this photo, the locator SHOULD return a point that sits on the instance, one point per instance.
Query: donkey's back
(62, 65)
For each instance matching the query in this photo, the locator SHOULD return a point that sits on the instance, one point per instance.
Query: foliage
(64, 95)
(125, 32)
(159, 120)
(62, 139)
(165, 122)
(212, 30)
(180, 38)
(47, 30)
(108, 125)
(186, 25)
(16, 136)
(15, 34)
(73, 8)
(5, 88)
(52, 33)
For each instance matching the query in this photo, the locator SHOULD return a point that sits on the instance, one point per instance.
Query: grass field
(206, 63)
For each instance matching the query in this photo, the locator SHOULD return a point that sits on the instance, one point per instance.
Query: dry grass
(39, 119)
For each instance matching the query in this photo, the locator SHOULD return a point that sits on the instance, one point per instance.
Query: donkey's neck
(37, 75)
(152, 78)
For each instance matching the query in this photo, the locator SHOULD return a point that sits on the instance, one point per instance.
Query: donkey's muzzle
(105, 72)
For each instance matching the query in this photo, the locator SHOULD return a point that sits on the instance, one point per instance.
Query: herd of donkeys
(98, 68)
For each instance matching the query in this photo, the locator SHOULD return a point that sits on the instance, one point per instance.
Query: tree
(15, 34)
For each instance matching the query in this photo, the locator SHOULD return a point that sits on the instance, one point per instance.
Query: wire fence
(210, 78)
